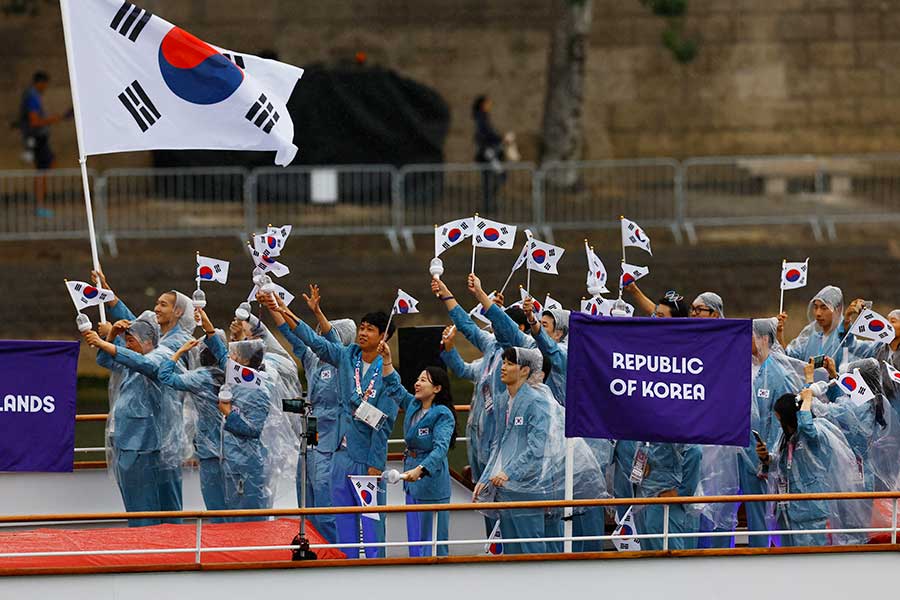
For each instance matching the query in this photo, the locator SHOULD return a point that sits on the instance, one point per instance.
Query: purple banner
(659, 380)
(37, 405)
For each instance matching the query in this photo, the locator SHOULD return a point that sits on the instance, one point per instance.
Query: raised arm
(640, 299)
(506, 330)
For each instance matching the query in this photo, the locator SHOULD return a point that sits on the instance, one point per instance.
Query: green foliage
(684, 50)
(22, 7)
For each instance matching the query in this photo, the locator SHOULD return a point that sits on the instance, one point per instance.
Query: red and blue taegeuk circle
(792, 276)
(627, 279)
(849, 383)
(539, 256)
(403, 306)
(454, 234)
(491, 234)
(195, 71)
(366, 496)
(247, 375)
(90, 292)
(876, 325)
(206, 273)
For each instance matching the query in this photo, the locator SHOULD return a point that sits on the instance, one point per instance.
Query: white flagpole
(781, 285)
(82, 159)
(528, 279)
(473, 243)
(621, 217)
(570, 490)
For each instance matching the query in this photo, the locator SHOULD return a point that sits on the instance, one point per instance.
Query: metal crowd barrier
(816, 191)
(198, 548)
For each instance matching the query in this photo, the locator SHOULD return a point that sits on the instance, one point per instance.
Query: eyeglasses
(696, 310)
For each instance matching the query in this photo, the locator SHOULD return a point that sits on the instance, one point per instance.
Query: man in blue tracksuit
(363, 448)
(324, 394)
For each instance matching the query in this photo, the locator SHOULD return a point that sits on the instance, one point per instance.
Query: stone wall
(771, 76)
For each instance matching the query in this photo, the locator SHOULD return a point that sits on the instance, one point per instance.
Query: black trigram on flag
(135, 99)
(130, 20)
(262, 114)
(237, 59)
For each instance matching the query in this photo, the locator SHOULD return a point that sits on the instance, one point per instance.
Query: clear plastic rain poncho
(203, 421)
(184, 310)
(259, 445)
(560, 322)
(531, 450)
(774, 374)
(134, 398)
(713, 301)
(812, 341)
(871, 429)
(281, 368)
(821, 463)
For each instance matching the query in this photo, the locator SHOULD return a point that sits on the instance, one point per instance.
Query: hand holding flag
(282, 293)
(366, 488)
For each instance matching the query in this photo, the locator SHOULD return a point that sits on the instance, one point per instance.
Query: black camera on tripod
(301, 406)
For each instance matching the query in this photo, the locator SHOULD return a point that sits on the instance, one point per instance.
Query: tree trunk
(563, 130)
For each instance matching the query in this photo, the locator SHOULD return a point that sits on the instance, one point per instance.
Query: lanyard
(370, 389)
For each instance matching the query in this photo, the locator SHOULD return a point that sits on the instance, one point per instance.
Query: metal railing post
(398, 202)
(434, 533)
(250, 201)
(894, 521)
(199, 543)
(538, 207)
(665, 527)
(679, 196)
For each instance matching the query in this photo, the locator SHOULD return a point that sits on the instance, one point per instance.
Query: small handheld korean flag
(634, 236)
(551, 304)
(523, 293)
(626, 527)
(212, 269)
(84, 294)
(631, 273)
(268, 244)
(405, 304)
(282, 293)
(543, 257)
(491, 234)
(284, 232)
(239, 375)
(451, 233)
(591, 306)
(268, 264)
(494, 546)
(597, 275)
(870, 325)
(793, 274)
(366, 488)
(141, 83)
(893, 373)
(855, 386)
(477, 313)
(523, 256)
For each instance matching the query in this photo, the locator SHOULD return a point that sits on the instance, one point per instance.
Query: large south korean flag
(141, 83)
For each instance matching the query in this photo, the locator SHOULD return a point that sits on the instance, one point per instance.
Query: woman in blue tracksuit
(135, 436)
(429, 428)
